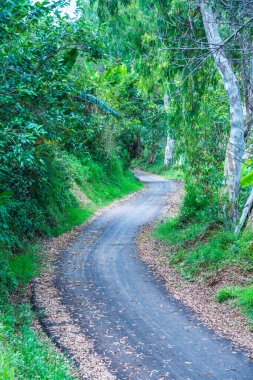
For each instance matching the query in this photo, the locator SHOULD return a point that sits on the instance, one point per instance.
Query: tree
(235, 146)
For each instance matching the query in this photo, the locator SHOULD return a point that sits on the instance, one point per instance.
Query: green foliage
(247, 180)
(224, 295)
(56, 76)
(7, 278)
(167, 60)
(45, 203)
(216, 252)
(175, 173)
(53, 140)
(5, 197)
(176, 232)
(25, 266)
(240, 296)
(100, 183)
(20, 345)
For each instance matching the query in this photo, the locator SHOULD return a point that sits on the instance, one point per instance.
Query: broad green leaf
(247, 180)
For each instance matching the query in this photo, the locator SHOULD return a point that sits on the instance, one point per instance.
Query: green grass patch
(173, 231)
(25, 266)
(204, 246)
(23, 355)
(103, 189)
(199, 247)
(239, 296)
(174, 173)
(72, 218)
(100, 189)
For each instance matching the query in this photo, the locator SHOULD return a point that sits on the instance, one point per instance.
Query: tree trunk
(181, 160)
(235, 146)
(138, 145)
(152, 155)
(248, 96)
(250, 221)
(246, 211)
(169, 149)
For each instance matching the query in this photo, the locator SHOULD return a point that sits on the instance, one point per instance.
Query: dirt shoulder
(198, 295)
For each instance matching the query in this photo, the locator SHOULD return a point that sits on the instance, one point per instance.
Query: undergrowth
(23, 354)
(240, 296)
(198, 247)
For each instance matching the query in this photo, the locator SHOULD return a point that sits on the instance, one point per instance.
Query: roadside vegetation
(24, 353)
(199, 247)
(207, 249)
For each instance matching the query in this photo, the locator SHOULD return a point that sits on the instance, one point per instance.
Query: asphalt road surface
(135, 325)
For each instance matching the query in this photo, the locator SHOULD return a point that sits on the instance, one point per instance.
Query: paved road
(140, 330)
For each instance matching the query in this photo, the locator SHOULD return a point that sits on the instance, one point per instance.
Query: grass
(199, 246)
(102, 190)
(172, 231)
(25, 266)
(73, 217)
(173, 173)
(241, 297)
(23, 355)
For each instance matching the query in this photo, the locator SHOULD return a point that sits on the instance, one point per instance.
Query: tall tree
(235, 146)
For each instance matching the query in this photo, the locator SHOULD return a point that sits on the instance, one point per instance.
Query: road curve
(139, 329)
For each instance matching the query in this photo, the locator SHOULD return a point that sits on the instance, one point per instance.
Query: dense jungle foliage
(82, 98)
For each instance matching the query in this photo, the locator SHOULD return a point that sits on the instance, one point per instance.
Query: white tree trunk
(180, 161)
(245, 213)
(249, 224)
(235, 146)
(169, 149)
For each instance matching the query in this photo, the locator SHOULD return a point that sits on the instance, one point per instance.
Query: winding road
(139, 330)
